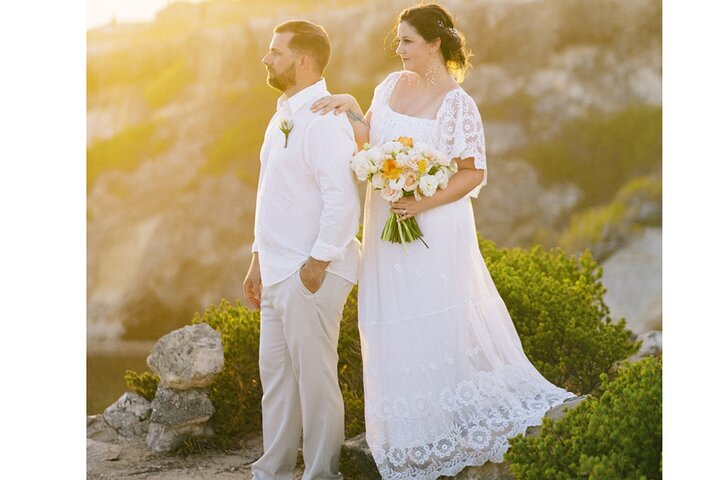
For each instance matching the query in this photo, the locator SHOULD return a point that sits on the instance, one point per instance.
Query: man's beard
(284, 80)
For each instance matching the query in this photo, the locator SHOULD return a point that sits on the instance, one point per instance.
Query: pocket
(302, 286)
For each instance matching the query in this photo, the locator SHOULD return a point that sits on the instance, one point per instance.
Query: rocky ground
(114, 457)
(130, 458)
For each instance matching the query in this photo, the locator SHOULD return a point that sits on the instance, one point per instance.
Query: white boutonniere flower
(286, 127)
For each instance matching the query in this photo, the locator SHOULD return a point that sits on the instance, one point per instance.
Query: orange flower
(390, 169)
(407, 141)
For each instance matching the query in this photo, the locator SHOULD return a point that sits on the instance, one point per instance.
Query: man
(305, 260)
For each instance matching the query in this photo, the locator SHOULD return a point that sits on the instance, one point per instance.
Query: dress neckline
(437, 114)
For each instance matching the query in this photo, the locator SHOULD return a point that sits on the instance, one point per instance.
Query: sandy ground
(135, 461)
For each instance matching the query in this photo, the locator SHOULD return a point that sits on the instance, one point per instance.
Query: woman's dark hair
(433, 21)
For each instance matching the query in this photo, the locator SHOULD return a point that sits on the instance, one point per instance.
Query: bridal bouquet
(401, 168)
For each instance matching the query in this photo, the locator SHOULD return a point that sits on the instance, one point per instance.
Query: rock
(101, 451)
(178, 408)
(164, 438)
(651, 345)
(129, 415)
(357, 461)
(98, 429)
(633, 278)
(189, 357)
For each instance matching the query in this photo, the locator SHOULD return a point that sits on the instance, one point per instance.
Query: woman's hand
(408, 207)
(340, 103)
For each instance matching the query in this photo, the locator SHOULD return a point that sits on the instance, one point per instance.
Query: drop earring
(430, 71)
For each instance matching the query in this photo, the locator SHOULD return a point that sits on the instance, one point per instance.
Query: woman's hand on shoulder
(339, 103)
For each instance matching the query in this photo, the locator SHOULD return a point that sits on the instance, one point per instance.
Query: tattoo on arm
(356, 118)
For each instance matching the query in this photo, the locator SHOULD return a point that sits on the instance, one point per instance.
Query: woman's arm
(346, 103)
(463, 182)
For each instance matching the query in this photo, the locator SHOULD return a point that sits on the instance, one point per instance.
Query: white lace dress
(446, 379)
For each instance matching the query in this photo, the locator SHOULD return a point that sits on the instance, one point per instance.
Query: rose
(390, 195)
(428, 185)
(411, 181)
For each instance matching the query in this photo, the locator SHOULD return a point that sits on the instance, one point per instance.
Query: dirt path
(134, 461)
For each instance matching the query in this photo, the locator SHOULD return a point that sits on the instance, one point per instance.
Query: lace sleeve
(384, 90)
(462, 133)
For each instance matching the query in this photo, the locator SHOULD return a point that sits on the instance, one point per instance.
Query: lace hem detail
(467, 425)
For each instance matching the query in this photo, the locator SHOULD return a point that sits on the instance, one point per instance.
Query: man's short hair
(308, 39)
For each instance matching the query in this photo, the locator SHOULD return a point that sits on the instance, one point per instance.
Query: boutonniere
(286, 127)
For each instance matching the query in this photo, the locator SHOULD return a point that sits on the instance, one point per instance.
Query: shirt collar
(303, 96)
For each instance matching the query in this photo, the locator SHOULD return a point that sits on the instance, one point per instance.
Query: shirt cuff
(327, 253)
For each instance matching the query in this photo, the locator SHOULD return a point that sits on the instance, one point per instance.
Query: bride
(446, 380)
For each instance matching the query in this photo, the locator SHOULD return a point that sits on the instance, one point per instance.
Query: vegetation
(556, 303)
(554, 300)
(125, 151)
(603, 229)
(615, 435)
(601, 151)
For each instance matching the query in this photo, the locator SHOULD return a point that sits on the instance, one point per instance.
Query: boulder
(165, 438)
(651, 345)
(99, 430)
(178, 408)
(101, 451)
(129, 415)
(189, 357)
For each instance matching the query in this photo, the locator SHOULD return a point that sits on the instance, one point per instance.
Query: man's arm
(253, 282)
(329, 148)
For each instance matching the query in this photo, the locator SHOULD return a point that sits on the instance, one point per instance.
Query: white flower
(392, 148)
(442, 159)
(442, 177)
(377, 181)
(397, 183)
(376, 156)
(428, 185)
(390, 195)
(401, 159)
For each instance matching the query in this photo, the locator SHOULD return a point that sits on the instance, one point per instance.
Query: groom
(305, 260)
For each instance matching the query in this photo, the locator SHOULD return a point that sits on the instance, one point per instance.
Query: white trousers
(298, 370)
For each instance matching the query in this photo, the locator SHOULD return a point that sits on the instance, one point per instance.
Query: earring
(430, 71)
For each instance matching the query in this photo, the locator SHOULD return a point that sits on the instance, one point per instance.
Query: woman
(445, 376)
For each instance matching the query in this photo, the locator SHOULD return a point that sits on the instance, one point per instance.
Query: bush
(556, 304)
(604, 229)
(618, 435)
(125, 151)
(554, 300)
(144, 385)
(601, 152)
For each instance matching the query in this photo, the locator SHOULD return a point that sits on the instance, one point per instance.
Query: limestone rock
(129, 415)
(651, 345)
(101, 451)
(633, 278)
(99, 430)
(189, 357)
(164, 438)
(178, 408)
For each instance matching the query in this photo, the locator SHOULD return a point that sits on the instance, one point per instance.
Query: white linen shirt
(307, 200)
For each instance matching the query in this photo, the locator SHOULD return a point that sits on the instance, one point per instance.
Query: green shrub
(601, 152)
(124, 151)
(603, 229)
(613, 436)
(144, 384)
(236, 392)
(555, 302)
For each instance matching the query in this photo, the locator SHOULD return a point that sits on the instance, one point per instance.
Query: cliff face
(177, 109)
